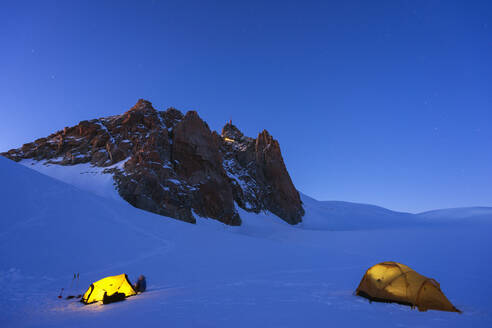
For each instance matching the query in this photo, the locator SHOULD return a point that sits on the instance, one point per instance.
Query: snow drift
(264, 273)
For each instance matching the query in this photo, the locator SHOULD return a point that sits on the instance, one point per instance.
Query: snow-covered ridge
(463, 213)
(320, 215)
(339, 215)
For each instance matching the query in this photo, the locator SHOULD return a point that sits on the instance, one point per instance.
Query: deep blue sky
(382, 102)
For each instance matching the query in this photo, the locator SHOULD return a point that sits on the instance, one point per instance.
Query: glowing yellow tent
(395, 282)
(109, 286)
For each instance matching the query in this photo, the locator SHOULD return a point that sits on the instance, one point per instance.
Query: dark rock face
(174, 165)
(259, 176)
(197, 158)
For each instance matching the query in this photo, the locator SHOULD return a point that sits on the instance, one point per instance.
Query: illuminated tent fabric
(109, 285)
(395, 282)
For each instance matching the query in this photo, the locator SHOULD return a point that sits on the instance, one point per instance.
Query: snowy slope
(320, 215)
(84, 176)
(337, 215)
(264, 273)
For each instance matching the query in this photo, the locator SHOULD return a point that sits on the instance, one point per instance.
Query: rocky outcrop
(259, 175)
(174, 165)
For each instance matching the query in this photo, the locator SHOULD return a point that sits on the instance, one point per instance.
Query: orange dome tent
(395, 282)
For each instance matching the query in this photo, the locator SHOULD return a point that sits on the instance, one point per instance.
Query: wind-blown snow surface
(84, 176)
(262, 274)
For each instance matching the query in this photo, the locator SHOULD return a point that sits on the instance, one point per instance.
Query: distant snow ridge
(338, 215)
(459, 214)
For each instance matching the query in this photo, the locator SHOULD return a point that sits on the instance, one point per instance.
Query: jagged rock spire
(142, 104)
(231, 131)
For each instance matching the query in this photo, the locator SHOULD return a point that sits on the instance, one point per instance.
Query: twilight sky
(380, 102)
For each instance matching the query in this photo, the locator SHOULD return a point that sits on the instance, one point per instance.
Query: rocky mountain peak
(171, 117)
(174, 165)
(142, 105)
(230, 131)
(265, 141)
